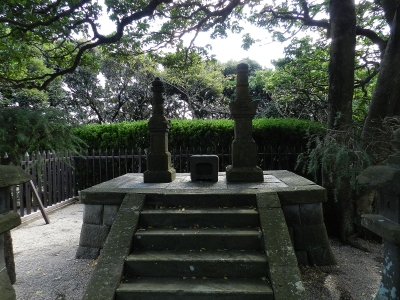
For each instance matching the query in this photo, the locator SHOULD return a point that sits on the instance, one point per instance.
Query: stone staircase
(197, 247)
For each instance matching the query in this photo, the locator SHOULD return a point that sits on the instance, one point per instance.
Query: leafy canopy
(41, 40)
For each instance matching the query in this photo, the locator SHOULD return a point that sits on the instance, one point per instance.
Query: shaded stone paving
(183, 181)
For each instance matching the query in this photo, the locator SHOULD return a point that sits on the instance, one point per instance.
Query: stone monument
(159, 159)
(10, 175)
(244, 149)
(386, 180)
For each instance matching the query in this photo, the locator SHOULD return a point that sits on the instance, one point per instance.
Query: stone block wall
(97, 221)
(308, 233)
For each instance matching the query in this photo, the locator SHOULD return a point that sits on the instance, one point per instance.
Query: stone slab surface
(12, 175)
(197, 238)
(211, 264)
(383, 227)
(290, 187)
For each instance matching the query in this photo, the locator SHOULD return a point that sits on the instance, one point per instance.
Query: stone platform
(300, 199)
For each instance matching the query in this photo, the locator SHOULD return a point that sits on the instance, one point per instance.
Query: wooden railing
(58, 177)
(54, 180)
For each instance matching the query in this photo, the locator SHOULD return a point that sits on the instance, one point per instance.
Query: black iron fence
(58, 177)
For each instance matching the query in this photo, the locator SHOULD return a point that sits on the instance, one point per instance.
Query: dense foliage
(24, 130)
(198, 133)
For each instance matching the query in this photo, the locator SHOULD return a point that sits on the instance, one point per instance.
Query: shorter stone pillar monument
(159, 159)
(386, 180)
(9, 176)
(244, 149)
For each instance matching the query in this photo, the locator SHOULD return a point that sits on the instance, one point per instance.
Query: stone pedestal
(386, 180)
(244, 149)
(159, 159)
(300, 199)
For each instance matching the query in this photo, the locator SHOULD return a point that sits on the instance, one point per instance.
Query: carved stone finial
(158, 99)
(158, 86)
(243, 105)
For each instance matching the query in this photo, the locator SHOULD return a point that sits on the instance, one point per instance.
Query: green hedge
(198, 133)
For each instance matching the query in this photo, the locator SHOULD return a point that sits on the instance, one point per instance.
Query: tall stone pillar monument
(159, 159)
(244, 149)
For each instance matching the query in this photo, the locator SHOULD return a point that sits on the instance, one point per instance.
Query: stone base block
(302, 258)
(244, 174)
(110, 212)
(314, 240)
(93, 214)
(204, 168)
(159, 176)
(87, 253)
(93, 235)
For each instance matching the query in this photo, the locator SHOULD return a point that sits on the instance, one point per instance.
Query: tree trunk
(385, 100)
(341, 65)
(341, 90)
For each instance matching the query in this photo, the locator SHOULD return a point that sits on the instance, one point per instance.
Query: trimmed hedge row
(198, 133)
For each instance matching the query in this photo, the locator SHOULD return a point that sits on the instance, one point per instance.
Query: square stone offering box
(204, 168)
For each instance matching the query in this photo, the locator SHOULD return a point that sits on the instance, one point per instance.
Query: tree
(385, 101)
(299, 84)
(341, 89)
(47, 31)
(118, 90)
(341, 64)
(355, 31)
(195, 80)
(286, 18)
(26, 130)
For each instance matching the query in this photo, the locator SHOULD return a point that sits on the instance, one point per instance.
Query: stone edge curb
(293, 195)
(284, 272)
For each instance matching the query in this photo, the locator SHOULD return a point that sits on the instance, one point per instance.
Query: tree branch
(308, 21)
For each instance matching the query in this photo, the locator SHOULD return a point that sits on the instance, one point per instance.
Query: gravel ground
(45, 257)
(47, 269)
(356, 276)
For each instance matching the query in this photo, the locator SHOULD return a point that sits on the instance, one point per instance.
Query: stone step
(197, 238)
(167, 288)
(201, 200)
(244, 264)
(187, 217)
